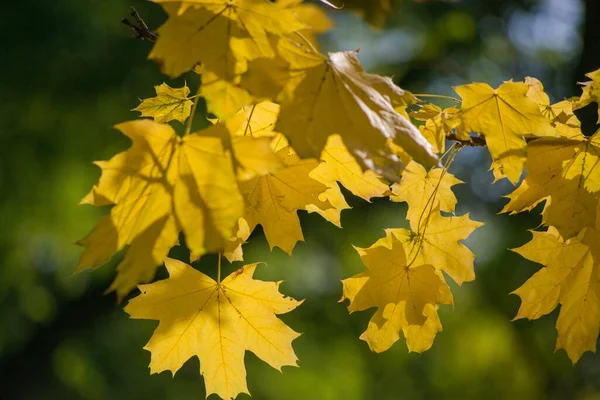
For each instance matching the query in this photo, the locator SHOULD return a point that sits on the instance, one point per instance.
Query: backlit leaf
(504, 116)
(216, 322)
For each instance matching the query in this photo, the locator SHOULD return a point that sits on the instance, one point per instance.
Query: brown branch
(474, 141)
(479, 141)
(140, 28)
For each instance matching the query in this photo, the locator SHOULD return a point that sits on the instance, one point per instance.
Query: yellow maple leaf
(314, 17)
(259, 120)
(567, 173)
(161, 185)
(406, 296)
(333, 95)
(424, 191)
(504, 116)
(223, 96)
(274, 199)
(439, 244)
(339, 165)
(591, 91)
(571, 278)
(216, 322)
(332, 195)
(218, 33)
(439, 124)
(560, 114)
(168, 105)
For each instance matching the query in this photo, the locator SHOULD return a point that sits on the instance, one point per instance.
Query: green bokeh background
(70, 71)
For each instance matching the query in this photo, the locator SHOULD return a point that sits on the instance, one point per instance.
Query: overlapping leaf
(439, 124)
(425, 191)
(504, 116)
(162, 185)
(571, 278)
(221, 36)
(273, 200)
(216, 322)
(567, 173)
(218, 33)
(339, 165)
(405, 293)
(439, 244)
(323, 96)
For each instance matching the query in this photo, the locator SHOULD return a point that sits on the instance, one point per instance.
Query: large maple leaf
(571, 278)
(217, 322)
(406, 296)
(162, 185)
(504, 116)
(219, 34)
(567, 173)
(323, 96)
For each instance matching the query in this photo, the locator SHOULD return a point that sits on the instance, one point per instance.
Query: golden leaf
(571, 278)
(504, 116)
(162, 185)
(425, 191)
(333, 95)
(406, 296)
(168, 105)
(439, 244)
(216, 322)
(273, 200)
(567, 171)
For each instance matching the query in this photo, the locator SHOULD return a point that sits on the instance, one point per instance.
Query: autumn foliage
(291, 125)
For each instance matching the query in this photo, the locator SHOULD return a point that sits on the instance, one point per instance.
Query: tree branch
(140, 28)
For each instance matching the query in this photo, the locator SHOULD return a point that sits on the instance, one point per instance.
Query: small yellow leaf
(216, 322)
(571, 278)
(333, 195)
(406, 296)
(424, 191)
(168, 105)
(273, 200)
(504, 116)
(339, 165)
(439, 244)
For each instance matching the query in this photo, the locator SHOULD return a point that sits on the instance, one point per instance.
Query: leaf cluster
(291, 125)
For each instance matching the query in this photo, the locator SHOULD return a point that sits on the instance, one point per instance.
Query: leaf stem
(190, 121)
(438, 96)
(219, 269)
(452, 152)
(249, 120)
(308, 42)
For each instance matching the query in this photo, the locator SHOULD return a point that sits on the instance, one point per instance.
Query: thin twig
(474, 141)
(140, 28)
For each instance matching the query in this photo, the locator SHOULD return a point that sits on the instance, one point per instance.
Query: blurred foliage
(71, 71)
